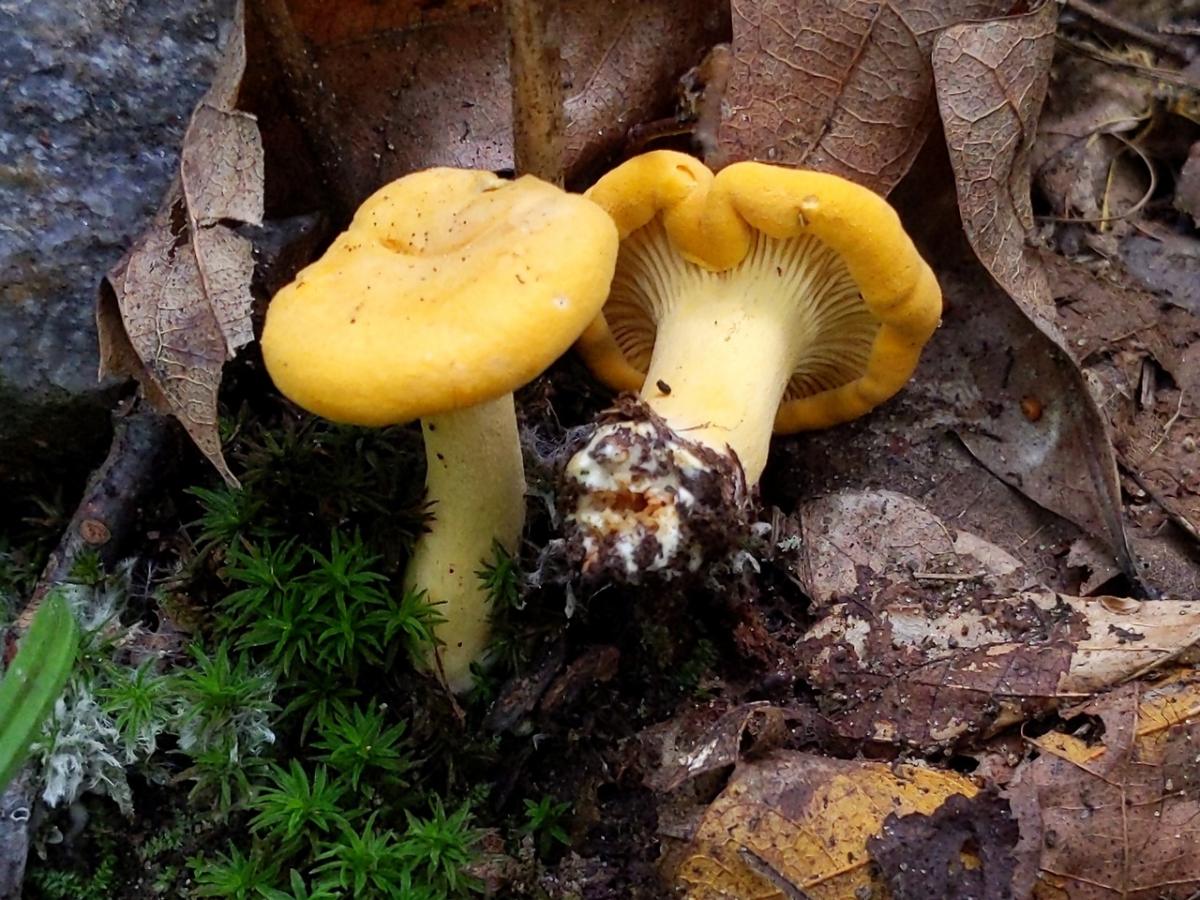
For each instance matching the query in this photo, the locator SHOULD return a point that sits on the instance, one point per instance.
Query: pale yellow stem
(719, 370)
(476, 485)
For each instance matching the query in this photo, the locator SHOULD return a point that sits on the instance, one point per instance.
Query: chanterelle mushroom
(450, 289)
(758, 299)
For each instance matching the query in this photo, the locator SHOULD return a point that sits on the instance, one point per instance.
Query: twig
(971, 505)
(1137, 207)
(1170, 423)
(765, 870)
(1158, 662)
(1040, 529)
(305, 94)
(949, 576)
(1112, 22)
(111, 507)
(537, 93)
(645, 133)
(1154, 73)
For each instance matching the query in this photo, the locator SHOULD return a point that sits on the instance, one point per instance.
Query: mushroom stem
(668, 490)
(476, 486)
(669, 487)
(718, 372)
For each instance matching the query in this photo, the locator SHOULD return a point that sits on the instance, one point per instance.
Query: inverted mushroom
(450, 289)
(755, 300)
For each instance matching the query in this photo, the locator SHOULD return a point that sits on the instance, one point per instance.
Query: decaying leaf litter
(987, 588)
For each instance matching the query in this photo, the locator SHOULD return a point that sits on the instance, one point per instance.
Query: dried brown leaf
(991, 80)
(918, 644)
(1187, 191)
(843, 87)
(1166, 263)
(1120, 817)
(1045, 435)
(222, 172)
(704, 741)
(180, 302)
(1033, 422)
(687, 759)
(1088, 555)
(857, 544)
(930, 672)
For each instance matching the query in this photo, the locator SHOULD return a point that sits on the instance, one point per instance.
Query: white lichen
(81, 750)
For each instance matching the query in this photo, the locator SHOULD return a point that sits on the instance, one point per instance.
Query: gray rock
(94, 99)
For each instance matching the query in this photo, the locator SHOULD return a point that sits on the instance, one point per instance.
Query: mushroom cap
(715, 222)
(449, 288)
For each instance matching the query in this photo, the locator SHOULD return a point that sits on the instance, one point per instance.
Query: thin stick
(1170, 423)
(949, 576)
(107, 518)
(111, 508)
(535, 67)
(1180, 520)
(1179, 78)
(1106, 19)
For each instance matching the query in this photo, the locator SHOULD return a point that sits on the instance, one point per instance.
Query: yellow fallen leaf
(794, 821)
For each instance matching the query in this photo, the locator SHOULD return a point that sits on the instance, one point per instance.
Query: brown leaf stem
(539, 123)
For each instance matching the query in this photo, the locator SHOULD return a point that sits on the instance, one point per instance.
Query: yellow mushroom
(755, 300)
(450, 289)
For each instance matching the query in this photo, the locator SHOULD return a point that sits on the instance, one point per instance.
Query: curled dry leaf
(796, 825)
(991, 80)
(1119, 812)
(930, 673)
(706, 741)
(180, 300)
(1044, 434)
(1022, 408)
(843, 87)
(1048, 440)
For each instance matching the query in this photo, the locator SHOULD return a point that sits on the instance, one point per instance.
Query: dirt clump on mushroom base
(654, 494)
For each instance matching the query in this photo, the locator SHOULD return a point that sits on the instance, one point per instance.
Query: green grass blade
(34, 680)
